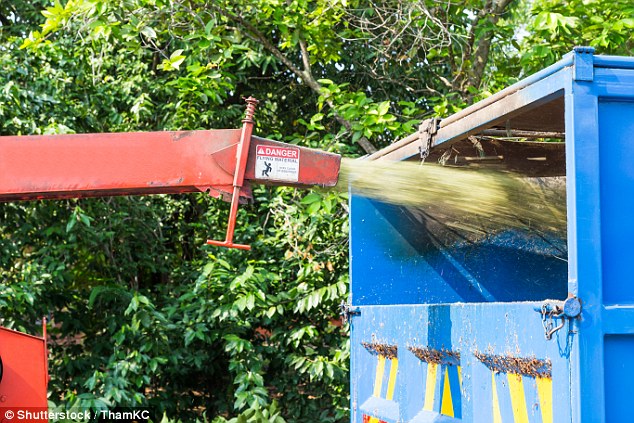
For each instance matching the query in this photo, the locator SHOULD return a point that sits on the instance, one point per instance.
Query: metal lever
(242, 155)
(426, 131)
(563, 310)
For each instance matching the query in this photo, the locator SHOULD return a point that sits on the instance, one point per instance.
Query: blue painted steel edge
(567, 60)
(615, 62)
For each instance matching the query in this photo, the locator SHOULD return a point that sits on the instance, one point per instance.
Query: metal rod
(45, 336)
(516, 133)
(238, 180)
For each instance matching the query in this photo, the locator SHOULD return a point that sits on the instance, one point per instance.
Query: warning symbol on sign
(277, 163)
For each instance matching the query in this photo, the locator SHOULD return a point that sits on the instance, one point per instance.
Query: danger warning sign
(277, 163)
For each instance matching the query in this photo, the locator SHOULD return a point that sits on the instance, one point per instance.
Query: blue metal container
(517, 326)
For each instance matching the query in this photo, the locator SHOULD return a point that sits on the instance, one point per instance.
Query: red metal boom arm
(222, 162)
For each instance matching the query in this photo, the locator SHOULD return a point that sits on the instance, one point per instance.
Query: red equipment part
(221, 162)
(238, 176)
(23, 375)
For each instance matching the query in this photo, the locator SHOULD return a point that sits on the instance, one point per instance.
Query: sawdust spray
(473, 200)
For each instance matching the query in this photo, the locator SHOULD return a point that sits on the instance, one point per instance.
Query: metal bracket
(426, 131)
(552, 310)
(583, 68)
(346, 311)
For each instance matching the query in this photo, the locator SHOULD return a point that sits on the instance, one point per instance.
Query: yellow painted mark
(497, 416)
(460, 377)
(430, 386)
(391, 383)
(374, 420)
(518, 399)
(545, 392)
(446, 406)
(378, 381)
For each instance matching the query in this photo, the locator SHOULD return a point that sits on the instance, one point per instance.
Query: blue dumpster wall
(616, 161)
(417, 265)
(413, 288)
(459, 390)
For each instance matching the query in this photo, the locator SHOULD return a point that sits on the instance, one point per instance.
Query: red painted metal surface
(87, 165)
(369, 419)
(238, 178)
(84, 165)
(316, 167)
(25, 374)
(221, 162)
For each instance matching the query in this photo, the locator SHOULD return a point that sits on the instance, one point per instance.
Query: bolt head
(572, 307)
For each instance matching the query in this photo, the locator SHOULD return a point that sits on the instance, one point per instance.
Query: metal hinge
(426, 131)
(346, 311)
(552, 310)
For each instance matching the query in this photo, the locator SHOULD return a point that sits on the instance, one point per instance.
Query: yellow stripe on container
(392, 380)
(446, 406)
(430, 386)
(460, 377)
(545, 393)
(378, 381)
(497, 416)
(518, 399)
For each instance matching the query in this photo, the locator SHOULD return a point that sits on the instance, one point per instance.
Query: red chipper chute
(222, 162)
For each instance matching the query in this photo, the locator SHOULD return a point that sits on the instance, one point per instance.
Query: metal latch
(552, 310)
(346, 311)
(426, 131)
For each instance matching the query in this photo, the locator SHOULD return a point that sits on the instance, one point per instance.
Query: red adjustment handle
(228, 244)
(47, 377)
(242, 155)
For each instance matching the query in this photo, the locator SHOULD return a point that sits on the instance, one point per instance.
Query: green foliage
(554, 28)
(270, 414)
(142, 311)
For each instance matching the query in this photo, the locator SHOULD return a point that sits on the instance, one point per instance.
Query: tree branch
(4, 20)
(305, 56)
(305, 75)
(481, 53)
